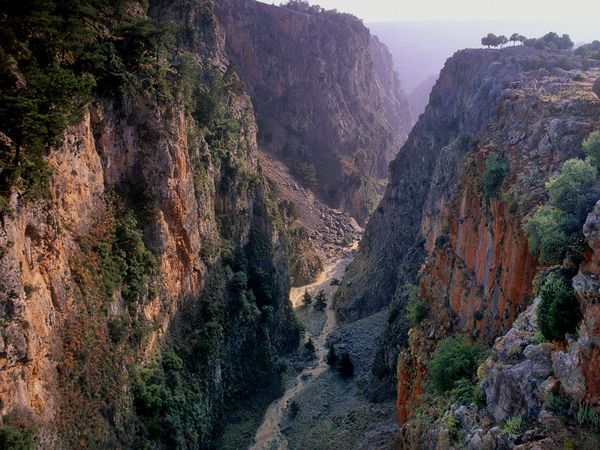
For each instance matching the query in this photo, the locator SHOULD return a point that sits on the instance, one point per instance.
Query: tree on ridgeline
(491, 40)
(516, 37)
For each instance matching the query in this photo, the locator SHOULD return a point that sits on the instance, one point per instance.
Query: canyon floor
(333, 413)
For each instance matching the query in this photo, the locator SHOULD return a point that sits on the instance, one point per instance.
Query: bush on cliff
(558, 311)
(307, 175)
(496, 168)
(574, 191)
(591, 147)
(556, 227)
(545, 235)
(453, 359)
(416, 309)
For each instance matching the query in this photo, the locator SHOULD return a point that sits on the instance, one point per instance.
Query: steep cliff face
(551, 388)
(148, 293)
(326, 97)
(479, 270)
(392, 249)
(438, 227)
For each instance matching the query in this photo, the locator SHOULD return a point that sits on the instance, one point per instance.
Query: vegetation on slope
(555, 228)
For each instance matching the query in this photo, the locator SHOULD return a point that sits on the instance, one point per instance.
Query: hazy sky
(585, 12)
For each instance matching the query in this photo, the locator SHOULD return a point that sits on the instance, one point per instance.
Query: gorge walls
(327, 100)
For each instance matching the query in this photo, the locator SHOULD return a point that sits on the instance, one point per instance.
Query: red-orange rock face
(484, 269)
(477, 270)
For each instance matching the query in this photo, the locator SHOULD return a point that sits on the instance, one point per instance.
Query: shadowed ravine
(269, 435)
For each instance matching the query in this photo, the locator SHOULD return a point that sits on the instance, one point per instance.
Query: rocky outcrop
(325, 94)
(578, 368)
(538, 385)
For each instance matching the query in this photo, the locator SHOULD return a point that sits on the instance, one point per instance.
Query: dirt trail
(269, 436)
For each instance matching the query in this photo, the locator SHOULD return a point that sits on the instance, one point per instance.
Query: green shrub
(453, 360)
(416, 309)
(463, 392)
(307, 175)
(587, 415)
(556, 227)
(452, 425)
(574, 191)
(545, 234)
(12, 438)
(556, 403)
(591, 147)
(239, 281)
(558, 311)
(118, 328)
(205, 111)
(514, 425)
(171, 361)
(496, 168)
(140, 262)
(538, 338)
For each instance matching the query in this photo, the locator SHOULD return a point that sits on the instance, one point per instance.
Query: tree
(331, 356)
(591, 147)
(306, 299)
(551, 41)
(309, 346)
(558, 311)
(294, 408)
(320, 301)
(516, 37)
(346, 367)
(491, 40)
(453, 360)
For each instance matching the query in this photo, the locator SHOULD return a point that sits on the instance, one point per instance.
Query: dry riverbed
(333, 413)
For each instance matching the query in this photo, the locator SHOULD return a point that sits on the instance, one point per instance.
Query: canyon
(181, 180)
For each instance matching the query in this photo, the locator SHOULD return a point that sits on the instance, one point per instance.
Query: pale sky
(571, 13)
